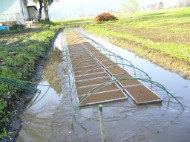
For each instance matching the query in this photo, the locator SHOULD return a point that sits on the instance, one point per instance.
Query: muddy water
(49, 116)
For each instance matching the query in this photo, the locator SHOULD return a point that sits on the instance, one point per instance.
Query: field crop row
(19, 57)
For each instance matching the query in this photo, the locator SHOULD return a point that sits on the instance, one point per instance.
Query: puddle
(50, 118)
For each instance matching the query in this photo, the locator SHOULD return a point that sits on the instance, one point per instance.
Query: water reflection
(37, 118)
(51, 70)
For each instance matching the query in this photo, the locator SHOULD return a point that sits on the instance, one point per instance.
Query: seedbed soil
(105, 96)
(82, 91)
(91, 76)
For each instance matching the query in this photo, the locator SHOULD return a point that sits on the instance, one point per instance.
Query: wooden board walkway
(92, 68)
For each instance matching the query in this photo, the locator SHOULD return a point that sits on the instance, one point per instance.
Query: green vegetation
(74, 22)
(178, 51)
(19, 57)
(161, 35)
(11, 31)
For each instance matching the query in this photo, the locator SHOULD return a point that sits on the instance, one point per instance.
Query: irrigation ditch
(64, 111)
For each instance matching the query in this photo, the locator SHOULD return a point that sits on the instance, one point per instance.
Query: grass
(19, 56)
(11, 31)
(72, 23)
(161, 34)
(178, 51)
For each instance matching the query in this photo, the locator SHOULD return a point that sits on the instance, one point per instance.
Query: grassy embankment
(161, 36)
(73, 23)
(19, 57)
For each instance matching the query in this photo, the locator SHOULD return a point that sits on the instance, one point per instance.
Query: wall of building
(9, 6)
(13, 10)
(23, 7)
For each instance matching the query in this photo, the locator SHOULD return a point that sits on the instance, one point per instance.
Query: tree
(40, 9)
(46, 10)
(44, 3)
(132, 6)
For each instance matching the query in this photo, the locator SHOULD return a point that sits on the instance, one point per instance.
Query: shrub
(104, 17)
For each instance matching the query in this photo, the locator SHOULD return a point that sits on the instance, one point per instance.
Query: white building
(16, 11)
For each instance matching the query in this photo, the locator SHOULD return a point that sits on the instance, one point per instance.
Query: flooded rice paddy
(48, 117)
